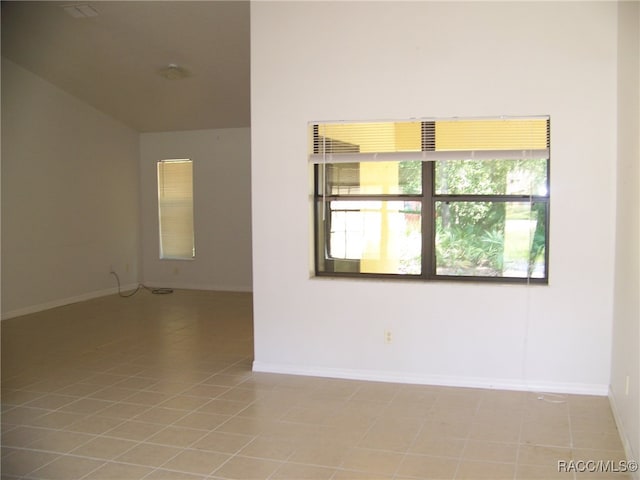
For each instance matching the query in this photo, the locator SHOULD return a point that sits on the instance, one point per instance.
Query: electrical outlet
(388, 337)
(111, 269)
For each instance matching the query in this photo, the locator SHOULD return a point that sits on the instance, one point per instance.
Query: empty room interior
(356, 278)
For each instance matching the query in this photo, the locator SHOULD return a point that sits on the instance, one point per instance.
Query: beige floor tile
(161, 474)
(80, 389)
(372, 461)
(490, 451)
(498, 431)
(104, 380)
(454, 428)
(600, 440)
(51, 401)
(22, 415)
(303, 414)
(541, 472)
(355, 475)
(136, 383)
(322, 453)
(610, 475)
(546, 433)
(223, 407)
(599, 420)
(475, 470)
(294, 471)
(119, 471)
(132, 430)
(201, 421)
(148, 398)
(241, 393)
(176, 436)
(206, 390)
(418, 410)
(105, 448)
(245, 468)
(418, 393)
(170, 387)
(160, 415)
(67, 467)
(113, 394)
(269, 410)
(543, 455)
(19, 397)
(246, 425)
(427, 467)
(21, 436)
(377, 392)
(395, 434)
(194, 402)
(56, 420)
(269, 448)
(222, 442)
(59, 441)
(184, 402)
(94, 424)
(196, 461)
(435, 445)
(598, 454)
(22, 462)
(123, 410)
(148, 454)
(225, 380)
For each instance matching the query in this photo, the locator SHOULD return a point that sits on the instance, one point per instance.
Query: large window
(175, 209)
(433, 199)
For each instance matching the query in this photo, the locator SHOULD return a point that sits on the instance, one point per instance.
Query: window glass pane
(366, 236)
(372, 178)
(491, 239)
(491, 177)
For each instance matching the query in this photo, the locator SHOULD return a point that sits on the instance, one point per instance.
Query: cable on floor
(155, 291)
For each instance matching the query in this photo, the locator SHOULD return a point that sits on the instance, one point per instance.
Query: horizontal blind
(175, 209)
(430, 139)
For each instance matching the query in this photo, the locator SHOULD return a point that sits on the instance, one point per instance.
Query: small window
(434, 199)
(175, 209)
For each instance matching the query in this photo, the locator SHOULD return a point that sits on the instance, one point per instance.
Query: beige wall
(69, 196)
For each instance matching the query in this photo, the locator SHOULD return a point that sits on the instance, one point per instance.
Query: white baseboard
(197, 286)
(440, 380)
(626, 444)
(65, 301)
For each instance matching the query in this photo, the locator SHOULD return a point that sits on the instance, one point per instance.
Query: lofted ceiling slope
(113, 60)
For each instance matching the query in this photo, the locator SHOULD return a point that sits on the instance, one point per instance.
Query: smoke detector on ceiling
(174, 72)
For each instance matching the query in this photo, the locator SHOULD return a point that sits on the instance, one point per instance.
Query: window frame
(429, 199)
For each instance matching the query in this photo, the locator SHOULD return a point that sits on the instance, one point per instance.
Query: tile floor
(160, 387)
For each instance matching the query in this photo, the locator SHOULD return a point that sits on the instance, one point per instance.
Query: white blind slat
(430, 140)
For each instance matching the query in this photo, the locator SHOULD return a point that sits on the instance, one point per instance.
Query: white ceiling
(111, 61)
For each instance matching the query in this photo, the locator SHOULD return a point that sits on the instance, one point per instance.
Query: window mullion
(428, 221)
